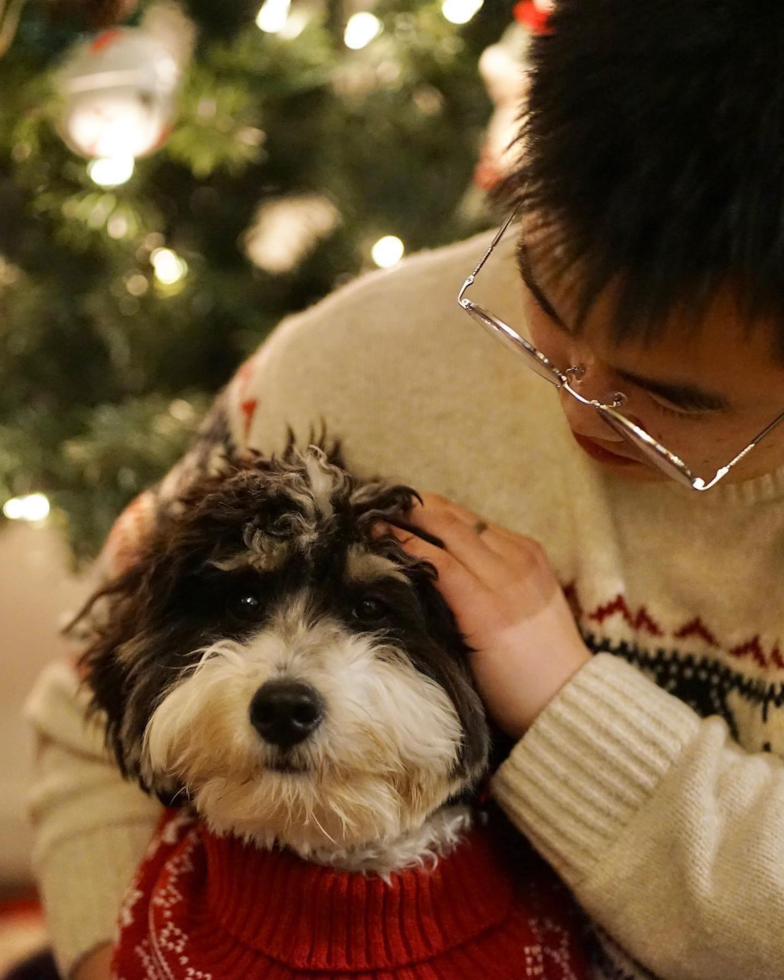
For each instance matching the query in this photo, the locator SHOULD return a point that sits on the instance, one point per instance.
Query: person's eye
(684, 414)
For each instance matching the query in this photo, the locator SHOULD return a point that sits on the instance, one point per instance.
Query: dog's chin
(384, 760)
(287, 768)
(319, 814)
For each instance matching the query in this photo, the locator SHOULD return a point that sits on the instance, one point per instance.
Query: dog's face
(297, 677)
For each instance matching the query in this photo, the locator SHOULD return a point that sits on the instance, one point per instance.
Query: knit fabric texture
(207, 906)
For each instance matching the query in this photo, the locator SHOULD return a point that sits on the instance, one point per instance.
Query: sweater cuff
(81, 913)
(590, 761)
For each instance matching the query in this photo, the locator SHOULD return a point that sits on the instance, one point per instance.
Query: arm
(91, 827)
(668, 833)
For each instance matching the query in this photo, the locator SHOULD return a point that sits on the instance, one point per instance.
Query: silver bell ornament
(120, 87)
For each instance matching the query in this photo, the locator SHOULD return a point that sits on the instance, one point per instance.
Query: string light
(111, 171)
(460, 11)
(361, 29)
(137, 284)
(169, 268)
(297, 22)
(273, 15)
(387, 251)
(284, 232)
(31, 507)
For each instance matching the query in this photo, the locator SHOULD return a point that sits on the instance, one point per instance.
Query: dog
(275, 665)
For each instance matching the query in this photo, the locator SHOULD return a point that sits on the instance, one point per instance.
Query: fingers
(461, 588)
(440, 516)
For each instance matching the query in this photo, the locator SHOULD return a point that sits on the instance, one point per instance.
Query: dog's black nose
(286, 712)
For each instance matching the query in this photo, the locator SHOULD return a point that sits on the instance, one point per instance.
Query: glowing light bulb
(31, 507)
(387, 251)
(460, 11)
(295, 25)
(361, 29)
(273, 15)
(111, 171)
(169, 268)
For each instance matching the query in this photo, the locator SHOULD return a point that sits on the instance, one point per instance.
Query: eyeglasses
(652, 451)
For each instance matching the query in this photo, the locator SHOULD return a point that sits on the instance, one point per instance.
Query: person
(625, 620)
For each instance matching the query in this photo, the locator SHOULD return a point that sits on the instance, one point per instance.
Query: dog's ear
(378, 501)
(110, 627)
(106, 623)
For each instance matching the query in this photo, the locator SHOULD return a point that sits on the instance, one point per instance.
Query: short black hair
(653, 151)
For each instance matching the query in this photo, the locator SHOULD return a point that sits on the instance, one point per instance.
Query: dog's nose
(286, 712)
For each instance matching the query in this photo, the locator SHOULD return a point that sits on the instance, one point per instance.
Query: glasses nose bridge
(580, 371)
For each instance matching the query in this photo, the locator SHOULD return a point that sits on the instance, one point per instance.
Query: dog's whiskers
(318, 824)
(179, 792)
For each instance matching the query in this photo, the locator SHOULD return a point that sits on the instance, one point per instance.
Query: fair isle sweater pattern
(705, 681)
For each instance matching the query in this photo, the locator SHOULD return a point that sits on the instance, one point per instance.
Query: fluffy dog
(297, 680)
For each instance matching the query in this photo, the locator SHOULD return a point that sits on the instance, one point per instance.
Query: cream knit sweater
(653, 782)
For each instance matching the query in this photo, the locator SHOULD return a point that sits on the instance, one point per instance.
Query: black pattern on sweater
(703, 683)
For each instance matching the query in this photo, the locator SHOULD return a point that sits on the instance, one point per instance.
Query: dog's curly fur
(275, 568)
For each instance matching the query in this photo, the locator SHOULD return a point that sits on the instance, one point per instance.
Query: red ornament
(534, 14)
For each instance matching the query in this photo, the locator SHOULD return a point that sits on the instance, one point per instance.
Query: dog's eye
(245, 605)
(369, 610)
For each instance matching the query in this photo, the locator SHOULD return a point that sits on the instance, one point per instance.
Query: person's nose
(590, 379)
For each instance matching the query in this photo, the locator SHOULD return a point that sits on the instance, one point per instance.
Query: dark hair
(653, 151)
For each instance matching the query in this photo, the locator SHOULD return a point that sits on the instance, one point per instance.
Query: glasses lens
(512, 339)
(656, 454)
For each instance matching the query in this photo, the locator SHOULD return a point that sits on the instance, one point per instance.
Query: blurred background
(175, 178)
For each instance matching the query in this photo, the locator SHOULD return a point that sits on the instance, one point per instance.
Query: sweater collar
(760, 489)
(316, 918)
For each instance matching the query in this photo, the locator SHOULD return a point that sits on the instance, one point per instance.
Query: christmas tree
(307, 142)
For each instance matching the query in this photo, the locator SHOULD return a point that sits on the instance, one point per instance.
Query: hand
(94, 966)
(509, 606)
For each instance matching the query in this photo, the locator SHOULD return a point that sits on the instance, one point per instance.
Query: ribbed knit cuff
(590, 762)
(81, 913)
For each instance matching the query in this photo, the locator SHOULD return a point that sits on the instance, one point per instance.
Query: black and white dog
(292, 674)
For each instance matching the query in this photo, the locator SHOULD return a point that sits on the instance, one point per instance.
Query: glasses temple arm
(499, 234)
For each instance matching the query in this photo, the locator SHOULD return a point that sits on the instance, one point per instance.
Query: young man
(650, 774)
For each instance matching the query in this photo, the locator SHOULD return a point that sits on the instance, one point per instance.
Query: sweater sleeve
(91, 827)
(668, 833)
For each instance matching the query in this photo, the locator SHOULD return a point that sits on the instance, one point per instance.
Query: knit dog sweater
(215, 908)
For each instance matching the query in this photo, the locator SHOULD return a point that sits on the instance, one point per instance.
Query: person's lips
(602, 455)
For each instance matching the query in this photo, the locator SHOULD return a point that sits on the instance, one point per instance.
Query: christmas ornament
(504, 67)
(285, 232)
(534, 14)
(503, 70)
(120, 87)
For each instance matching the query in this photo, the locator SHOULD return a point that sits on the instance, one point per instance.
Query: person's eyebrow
(684, 395)
(528, 277)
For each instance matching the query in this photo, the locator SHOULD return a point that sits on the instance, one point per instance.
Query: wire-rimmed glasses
(652, 451)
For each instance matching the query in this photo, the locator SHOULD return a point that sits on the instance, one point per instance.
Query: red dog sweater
(212, 908)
